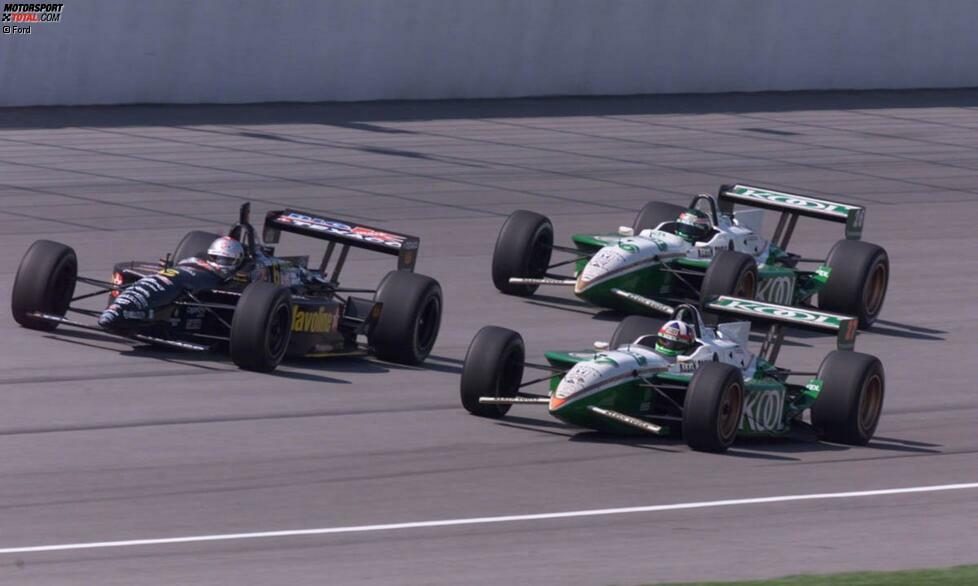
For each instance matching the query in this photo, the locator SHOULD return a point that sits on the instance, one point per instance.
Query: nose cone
(577, 380)
(608, 261)
(110, 318)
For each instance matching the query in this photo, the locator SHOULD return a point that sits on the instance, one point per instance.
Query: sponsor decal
(823, 273)
(704, 251)
(628, 247)
(605, 359)
(776, 290)
(775, 311)
(19, 19)
(689, 365)
(793, 201)
(345, 230)
(313, 322)
(763, 411)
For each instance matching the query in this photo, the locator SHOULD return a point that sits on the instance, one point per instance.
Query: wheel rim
(279, 327)
(540, 252)
(747, 286)
(870, 404)
(728, 417)
(426, 328)
(875, 289)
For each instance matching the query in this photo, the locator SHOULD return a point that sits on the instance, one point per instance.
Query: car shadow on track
(786, 449)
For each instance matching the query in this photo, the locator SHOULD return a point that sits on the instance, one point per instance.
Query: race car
(233, 294)
(681, 255)
(657, 376)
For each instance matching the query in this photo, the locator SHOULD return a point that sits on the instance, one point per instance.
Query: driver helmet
(225, 254)
(675, 337)
(693, 224)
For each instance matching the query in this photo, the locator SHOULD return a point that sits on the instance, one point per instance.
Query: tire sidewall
(45, 282)
(489, 355)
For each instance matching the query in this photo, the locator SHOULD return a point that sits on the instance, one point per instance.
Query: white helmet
(225, 254)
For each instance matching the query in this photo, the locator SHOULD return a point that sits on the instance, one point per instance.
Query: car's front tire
(713, 407)
(654, 213)
(262, 327)
(848, 407)
(409, 319)
(634, 326)
(523, 249)
(493, 367)
(730, 273)
(195, 243)
(45, 283)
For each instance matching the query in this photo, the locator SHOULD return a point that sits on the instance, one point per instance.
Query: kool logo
(794, 200)
(763, 410)
(776, 290)
(628, 247)
(316, 322)
(782, 312)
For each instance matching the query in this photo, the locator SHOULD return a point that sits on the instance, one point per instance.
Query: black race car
(268, 308)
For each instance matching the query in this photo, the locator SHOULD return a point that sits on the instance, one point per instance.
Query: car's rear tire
(858, 281)
(848, 407)
(713, 407)
(493, 367)
(654, 213)
(261, 327)
(45, 283)
(730, 273)
(523, 249)
(634, 326)
(409, 320)
(195, 243)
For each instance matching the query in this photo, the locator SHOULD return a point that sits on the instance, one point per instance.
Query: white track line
(486, 520)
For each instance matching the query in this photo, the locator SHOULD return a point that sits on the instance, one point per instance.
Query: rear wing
(792, 206)
(346, 233)
(843, 326)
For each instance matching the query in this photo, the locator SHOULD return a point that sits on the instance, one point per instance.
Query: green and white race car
(662, 258)
(713, 392)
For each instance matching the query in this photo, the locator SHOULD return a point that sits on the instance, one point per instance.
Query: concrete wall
(209, 51)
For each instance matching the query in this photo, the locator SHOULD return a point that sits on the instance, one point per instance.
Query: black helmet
(693, 224)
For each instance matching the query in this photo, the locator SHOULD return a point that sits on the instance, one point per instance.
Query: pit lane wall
(228, 51)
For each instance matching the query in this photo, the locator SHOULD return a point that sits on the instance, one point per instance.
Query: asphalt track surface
(100, 441)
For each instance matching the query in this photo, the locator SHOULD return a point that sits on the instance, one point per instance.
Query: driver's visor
(673, 344)
(224, 261)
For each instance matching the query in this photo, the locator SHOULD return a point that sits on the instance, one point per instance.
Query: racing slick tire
(45, 283)
(523, 249)
(194, 243)
(858, 281)
(261, 327)
(848, 407)
(713, 407)
(493, 367)
(634, 326)
(409, 320)
(654, 213)
(730, 273)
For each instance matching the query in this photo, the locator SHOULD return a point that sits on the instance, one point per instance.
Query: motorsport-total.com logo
(19, 19)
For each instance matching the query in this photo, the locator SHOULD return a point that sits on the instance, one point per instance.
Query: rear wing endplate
(404, 247)
(843, 326)
(794, 205)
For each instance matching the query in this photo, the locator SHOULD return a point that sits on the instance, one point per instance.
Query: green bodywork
(777, 283)
(770, 403)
